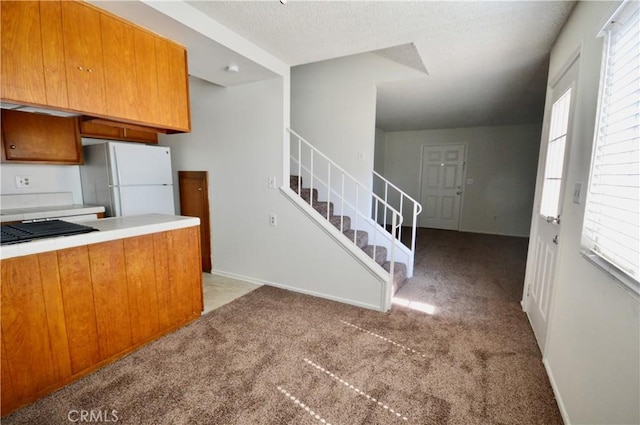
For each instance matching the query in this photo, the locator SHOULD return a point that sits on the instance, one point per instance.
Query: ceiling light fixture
(233, 68)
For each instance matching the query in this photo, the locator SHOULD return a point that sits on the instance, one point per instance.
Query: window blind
(611, 232)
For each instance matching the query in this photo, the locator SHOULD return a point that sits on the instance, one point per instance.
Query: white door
(543, 245)
(441, 186)
(138, 164)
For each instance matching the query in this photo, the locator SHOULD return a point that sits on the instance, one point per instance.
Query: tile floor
(219, 290)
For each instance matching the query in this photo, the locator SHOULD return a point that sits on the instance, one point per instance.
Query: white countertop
(109, 229)
(36, 213)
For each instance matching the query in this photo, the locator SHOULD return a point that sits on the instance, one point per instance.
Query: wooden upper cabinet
(113, 132)
(55, 75)
(70, 55)
(120, 78)
(83, 58)
(147, 76)
(173, 86)
(22, 78)
(37, 138)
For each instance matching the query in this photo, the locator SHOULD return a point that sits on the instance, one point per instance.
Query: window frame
(619, 276)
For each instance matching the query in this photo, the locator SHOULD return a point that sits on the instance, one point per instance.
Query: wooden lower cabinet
(66, 313)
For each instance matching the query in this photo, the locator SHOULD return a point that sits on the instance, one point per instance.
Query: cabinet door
(173, 87)
(79, 307)
(24, 327)
(114, 132)
(22, 76)
(83, 58)
(109, 279)
(141, 283)
(140, 136)
(100, 131)
(55, 75)
(29, 137)
(185, 271)
(147, 77)
(119, 68)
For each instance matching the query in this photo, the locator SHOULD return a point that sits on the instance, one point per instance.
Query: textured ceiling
(486, 61)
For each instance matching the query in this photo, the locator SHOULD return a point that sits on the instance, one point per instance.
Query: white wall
(501, 161)
(593, 344)
(43, 179)
(237, 137)
(333, 106)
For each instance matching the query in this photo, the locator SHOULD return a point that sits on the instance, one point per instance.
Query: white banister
(380, 233)
(416, 209)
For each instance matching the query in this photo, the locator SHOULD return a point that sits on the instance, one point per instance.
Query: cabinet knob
(89, 70)
(12, 146)
(199, 188)
(79, 68)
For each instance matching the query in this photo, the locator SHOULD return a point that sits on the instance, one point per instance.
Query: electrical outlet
(273, 220)
(273, 182)
(23, 181)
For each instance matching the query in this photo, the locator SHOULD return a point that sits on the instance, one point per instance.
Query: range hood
(36, 110)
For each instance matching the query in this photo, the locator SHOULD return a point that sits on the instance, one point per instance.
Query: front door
(543, 246)
(441, 186)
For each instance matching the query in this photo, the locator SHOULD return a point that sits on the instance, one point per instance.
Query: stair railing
(327, 180)
(402, 202)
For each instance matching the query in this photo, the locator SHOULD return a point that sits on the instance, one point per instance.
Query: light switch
(273, 182)
(469, 181)
(577, 191)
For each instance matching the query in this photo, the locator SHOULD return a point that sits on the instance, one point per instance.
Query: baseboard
(556, 393)
(494, 233)
(294, 289)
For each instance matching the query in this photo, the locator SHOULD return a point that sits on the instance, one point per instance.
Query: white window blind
(611, 233)
(552, 184)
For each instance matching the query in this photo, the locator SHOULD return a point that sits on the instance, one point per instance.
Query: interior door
(543, 245)
(441, 186)
(194, 202)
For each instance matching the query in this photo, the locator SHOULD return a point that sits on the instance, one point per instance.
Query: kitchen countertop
(109, 229)
(36, 213)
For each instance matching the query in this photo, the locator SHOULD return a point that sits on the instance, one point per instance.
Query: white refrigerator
(128, 178)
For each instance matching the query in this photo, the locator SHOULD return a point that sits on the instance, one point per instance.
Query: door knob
(555, 239)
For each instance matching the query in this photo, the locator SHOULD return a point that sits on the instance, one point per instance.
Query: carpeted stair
(361, 237)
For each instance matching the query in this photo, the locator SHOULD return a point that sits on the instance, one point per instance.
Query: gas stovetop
(23, 232)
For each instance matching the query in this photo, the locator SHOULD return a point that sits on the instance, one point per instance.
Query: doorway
(441, 186)
(194, 202)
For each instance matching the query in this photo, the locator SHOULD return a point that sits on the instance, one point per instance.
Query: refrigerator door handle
(119, 200)
(115, 165)
(116, 193)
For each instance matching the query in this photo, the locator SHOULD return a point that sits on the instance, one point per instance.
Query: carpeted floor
(277, 357)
